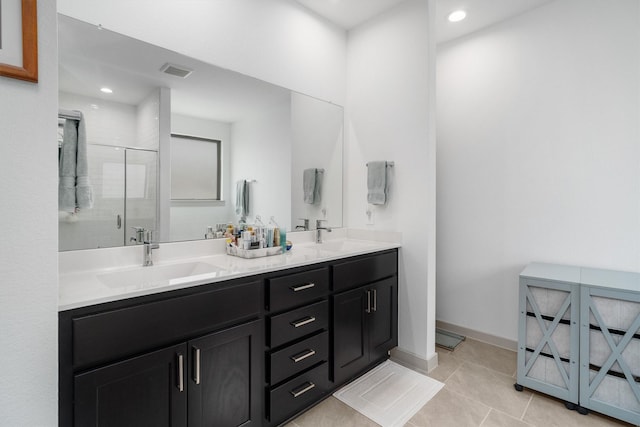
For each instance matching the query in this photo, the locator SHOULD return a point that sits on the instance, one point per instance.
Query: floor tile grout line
(526, 408)
(484, 367)
(486, 416)
(473, 400)
(451, 374)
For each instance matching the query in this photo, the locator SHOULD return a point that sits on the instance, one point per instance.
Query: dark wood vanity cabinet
(212, 380)
(199, 379)
(139, 391)
(297, 357)
(245, 352)
(365, 319)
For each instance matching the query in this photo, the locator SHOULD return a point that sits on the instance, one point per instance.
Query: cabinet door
(143, 391)
(383, 318)
(350, 337)
(225, 377)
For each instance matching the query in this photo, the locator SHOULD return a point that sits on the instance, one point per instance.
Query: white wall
(388, 119)
(266, 138)
(28, 253)
(538, 154)
(190, 220)
(276, 40)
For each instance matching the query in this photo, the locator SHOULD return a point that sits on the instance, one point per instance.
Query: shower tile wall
(107, 122)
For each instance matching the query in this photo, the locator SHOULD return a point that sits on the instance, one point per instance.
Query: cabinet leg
(518, 387)
(581, 410)
(573, 407)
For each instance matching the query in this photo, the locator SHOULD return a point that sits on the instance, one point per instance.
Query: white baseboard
(413, 361)
(479, 336)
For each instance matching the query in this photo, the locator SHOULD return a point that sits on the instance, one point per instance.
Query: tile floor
(478, 392)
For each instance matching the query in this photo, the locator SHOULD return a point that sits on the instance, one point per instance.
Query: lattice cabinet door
(548, 336)
(610, 351)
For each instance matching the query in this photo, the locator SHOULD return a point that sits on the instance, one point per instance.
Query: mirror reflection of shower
(124, 192)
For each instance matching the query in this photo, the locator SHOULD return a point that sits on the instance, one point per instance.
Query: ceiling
(349, 14)
(480, 14)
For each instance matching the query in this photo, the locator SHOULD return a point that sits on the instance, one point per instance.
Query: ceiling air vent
(176, 70)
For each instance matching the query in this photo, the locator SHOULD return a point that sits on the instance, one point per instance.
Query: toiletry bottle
(276, 237)
(210, 234)
(283, 239)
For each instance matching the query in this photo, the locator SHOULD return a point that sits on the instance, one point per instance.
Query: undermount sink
(155, 275)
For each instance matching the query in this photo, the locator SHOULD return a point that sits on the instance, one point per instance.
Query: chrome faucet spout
(319, 229)
(148, 251)
(149, 246)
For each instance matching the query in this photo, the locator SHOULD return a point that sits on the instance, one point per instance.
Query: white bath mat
(389, 394)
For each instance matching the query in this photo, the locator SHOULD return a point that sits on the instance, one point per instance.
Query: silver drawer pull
(196, 365)
(368, 309)
(301, 356)
(302, 287)
(180, 372)
(303, 389)
(302, 322)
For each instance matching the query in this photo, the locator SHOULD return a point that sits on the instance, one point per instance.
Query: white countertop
(103, 275)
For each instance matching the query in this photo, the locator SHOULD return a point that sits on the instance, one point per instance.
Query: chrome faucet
(319, 229)
(148, 248)
(304, 227)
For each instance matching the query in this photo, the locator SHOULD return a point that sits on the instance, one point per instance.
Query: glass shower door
(101, 226)
(124, 184)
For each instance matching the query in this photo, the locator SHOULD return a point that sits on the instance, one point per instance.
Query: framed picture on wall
(19, 39)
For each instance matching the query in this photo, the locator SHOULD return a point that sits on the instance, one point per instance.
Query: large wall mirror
(165, 142)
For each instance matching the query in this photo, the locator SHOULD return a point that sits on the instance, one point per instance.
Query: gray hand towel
(309, 185)
(67, 168)
(84, 192)
(242, 198)
(377, 182)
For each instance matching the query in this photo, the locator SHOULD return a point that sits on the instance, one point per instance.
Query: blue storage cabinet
(548, 336)
(610, 343)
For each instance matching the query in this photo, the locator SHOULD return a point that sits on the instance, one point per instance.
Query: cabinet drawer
(297, 289)
(350, 274)
(298, 357)
(111, 335)
(298, 393)
(298, 323)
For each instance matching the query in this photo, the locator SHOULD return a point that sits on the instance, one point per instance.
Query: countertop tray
(253, 253)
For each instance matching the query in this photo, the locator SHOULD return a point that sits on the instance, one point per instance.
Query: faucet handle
(139, 237)
(305, 222)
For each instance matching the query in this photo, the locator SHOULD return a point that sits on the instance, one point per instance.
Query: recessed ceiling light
(106, 90)
(457, 16)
